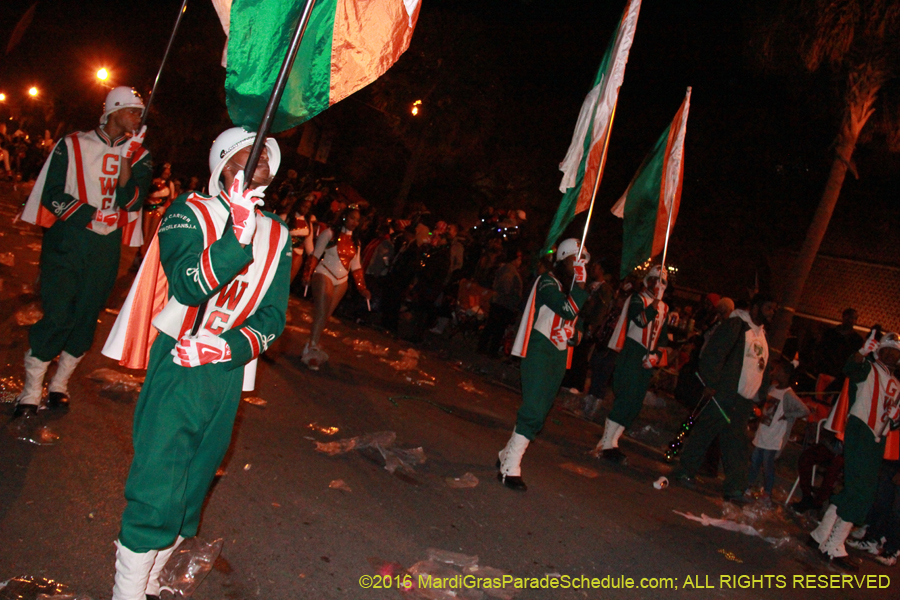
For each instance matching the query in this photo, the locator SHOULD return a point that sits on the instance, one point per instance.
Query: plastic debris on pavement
(367, 347)
(467, 480)
(323, 430)
(188, 565)
(10, 387)
(441, 564)
(721, 523)
(470, 387)
(409, 360)
(340, 484)
(765, 516)
(383, 439)
(404, 460)
(394, 458)
(8, 259)
(28, 428)
(29, 314)
(421, 378)
(115, 381)
(579, 470)
(451, 558)
(27, 587)
(422, 569)
(255, 401)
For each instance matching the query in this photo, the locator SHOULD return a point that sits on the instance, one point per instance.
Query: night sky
(506, 79)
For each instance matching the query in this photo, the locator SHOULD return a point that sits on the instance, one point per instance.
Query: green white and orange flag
(650, 204)
(347, 45)
(582, 165)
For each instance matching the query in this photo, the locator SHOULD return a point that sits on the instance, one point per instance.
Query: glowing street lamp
(33, 92)
(102, 74)
(2, 97)
(415, 107)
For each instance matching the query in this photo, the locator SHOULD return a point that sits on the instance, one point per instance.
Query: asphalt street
(300, 523)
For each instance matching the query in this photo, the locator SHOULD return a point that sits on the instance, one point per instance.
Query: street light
(415, 107)
(2, 97)
(33, 92)
(102, 74)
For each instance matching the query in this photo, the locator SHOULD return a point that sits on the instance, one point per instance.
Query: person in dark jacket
(733, 370)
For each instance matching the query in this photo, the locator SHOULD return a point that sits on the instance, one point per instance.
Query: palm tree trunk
(793, 291)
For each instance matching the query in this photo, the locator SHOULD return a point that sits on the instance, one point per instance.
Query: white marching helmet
(119, 98)
(569, 248)
(889, 340)
(656, 272)
(226, 145)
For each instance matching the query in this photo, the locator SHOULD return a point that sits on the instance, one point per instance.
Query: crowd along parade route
(301, 523)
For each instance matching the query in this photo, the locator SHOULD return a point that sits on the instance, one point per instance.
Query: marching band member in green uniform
(640, 338)
(221, 250)
(89, 191)
(864, 415)
(543, 342)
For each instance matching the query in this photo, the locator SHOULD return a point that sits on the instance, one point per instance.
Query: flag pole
(587, 222)
(163, 63)
(668, 230)
(265, 124)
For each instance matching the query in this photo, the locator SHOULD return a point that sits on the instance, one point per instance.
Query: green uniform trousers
(78, 271)
(630, 383)
(732, 439)
(182, 429)
(543, 369)
(862, 461)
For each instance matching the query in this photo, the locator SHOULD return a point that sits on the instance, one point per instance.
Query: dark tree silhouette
(858, 43)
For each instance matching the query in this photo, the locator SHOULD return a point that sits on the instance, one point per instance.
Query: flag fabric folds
(582, 165)
(650, 204)
(346, 46)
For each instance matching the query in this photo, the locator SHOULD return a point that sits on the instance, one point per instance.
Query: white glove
(870, 346)
(661, 288)
(133, 143)
(580, 270)
(650, 361)
(243, 209)
(107, 216)
(202, 349)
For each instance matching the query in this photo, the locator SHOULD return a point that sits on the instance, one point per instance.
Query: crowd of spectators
(429, 277)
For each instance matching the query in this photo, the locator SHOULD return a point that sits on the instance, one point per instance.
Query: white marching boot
(834, 546)
(58, 390)
(820, 534)
(620, 429)
(30, 397)
(162, 557)
(510, 461)
(608, 446)
(132, 573)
